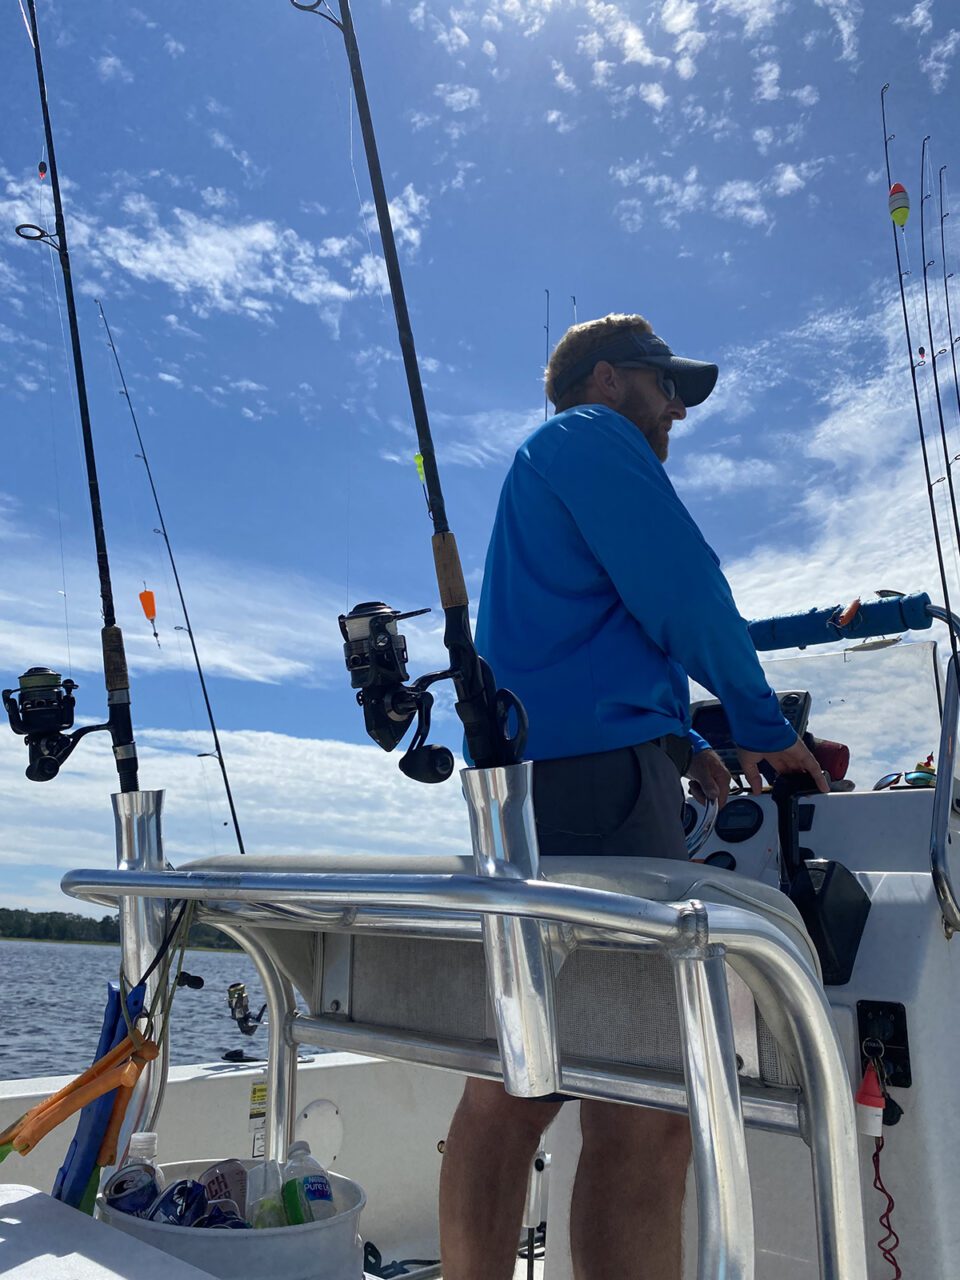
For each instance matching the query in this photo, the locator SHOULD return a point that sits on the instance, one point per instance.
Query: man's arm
(665, 573)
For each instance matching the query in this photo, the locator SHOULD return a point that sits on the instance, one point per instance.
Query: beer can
(132, 1189)
(180, 1205)
(222, 1215)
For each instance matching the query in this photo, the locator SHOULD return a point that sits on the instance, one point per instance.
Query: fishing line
(218, 750)
(935, 350)
(351, 106)
(45, 306)
(903, 210)
(947, 276)
(26, 23)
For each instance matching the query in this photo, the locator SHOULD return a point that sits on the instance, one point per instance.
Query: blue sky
(717, 166)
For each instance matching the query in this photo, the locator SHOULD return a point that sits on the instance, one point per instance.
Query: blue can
(222, 1215)
(132, 1189)
(180, 1205)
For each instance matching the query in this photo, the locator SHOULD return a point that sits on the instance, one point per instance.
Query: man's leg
(483, 1180)
(627, 1210)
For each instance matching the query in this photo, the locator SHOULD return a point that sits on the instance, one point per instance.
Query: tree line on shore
(68, 926)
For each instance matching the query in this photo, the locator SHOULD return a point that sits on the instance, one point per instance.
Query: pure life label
(317, 1187)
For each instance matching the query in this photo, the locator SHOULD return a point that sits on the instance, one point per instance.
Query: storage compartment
(328, 1250)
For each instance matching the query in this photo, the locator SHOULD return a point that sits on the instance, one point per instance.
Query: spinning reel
(39, 711)
(239, 1003)
(376, 657)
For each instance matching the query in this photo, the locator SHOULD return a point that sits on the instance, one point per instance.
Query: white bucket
(328, 1250)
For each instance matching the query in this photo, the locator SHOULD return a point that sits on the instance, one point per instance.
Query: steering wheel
(703, 830)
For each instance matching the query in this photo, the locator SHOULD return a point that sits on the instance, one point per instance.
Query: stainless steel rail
(946, 787)
(143, 924)
(771, 964)
(774, 1110)
(520, 978)
(724, 1199)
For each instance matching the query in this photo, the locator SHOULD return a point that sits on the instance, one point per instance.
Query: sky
(716, 165)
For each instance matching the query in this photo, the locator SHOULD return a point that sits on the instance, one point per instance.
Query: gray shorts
(622, 803)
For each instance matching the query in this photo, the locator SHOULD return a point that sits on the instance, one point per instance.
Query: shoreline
(92, 942)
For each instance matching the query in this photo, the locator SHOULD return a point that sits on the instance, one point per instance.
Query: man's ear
(605, 380)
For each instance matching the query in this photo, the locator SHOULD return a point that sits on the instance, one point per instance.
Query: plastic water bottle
(143, 1150)
(264, 1207)
(307, 1194)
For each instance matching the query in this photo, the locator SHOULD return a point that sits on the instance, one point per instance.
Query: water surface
(52, 996)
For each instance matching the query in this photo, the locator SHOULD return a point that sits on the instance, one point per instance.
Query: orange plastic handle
(120, 1052)
(39, 1126)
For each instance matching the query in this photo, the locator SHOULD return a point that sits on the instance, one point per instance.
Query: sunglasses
(666, 384)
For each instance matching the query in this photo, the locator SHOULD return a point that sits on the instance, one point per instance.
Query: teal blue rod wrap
(822, 626)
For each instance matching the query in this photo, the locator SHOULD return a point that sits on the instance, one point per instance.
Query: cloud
(176, 325)
(293, 796)
(246, 385)
(559, 121)
(787, 179)
(409, 211)
(170, 378)
(109, 67)
(756, 15)
(240, 267)
(173, 47)
(251, 171)
(742, 201)
(216, 198)
(677, 16)
(453, 39)
(253, 622)
(458, 97)
(720, 474)
(918, 18)
(846, 15)
(936, 64)
(767, 78)
(561, 79)
(370, 275)
(653, 95)
(670, 196)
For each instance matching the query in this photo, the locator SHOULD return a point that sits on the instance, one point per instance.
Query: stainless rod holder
(143, 926)
(520, 975)
(724, 1200)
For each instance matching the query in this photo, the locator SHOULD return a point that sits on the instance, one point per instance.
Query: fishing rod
(899, 205)
(218, 750)
(493, 719)
(936, 352)
(946, 294)
(43, 706)
(546, 356)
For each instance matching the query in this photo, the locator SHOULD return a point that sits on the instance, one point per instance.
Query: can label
(132, 1189)
(180, 1205)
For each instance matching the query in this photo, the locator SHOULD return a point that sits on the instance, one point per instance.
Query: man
(600, 598)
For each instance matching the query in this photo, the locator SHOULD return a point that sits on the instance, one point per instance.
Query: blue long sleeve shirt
(600, 596)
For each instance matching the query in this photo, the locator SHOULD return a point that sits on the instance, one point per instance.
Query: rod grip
(446, 558)
(114, 659)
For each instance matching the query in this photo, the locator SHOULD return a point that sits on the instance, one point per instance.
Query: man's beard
(653, 426)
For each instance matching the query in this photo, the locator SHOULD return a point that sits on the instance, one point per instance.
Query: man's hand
(796, 759)
(709, 778)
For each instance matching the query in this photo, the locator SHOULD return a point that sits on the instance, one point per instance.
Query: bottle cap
(300, 1145)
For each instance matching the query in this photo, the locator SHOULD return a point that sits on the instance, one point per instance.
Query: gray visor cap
(695, 379)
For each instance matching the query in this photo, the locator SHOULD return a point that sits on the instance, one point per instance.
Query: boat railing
(945, 797)
(520, 918)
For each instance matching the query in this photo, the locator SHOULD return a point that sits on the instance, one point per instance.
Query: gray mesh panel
(614, 1006)
(435, 988)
